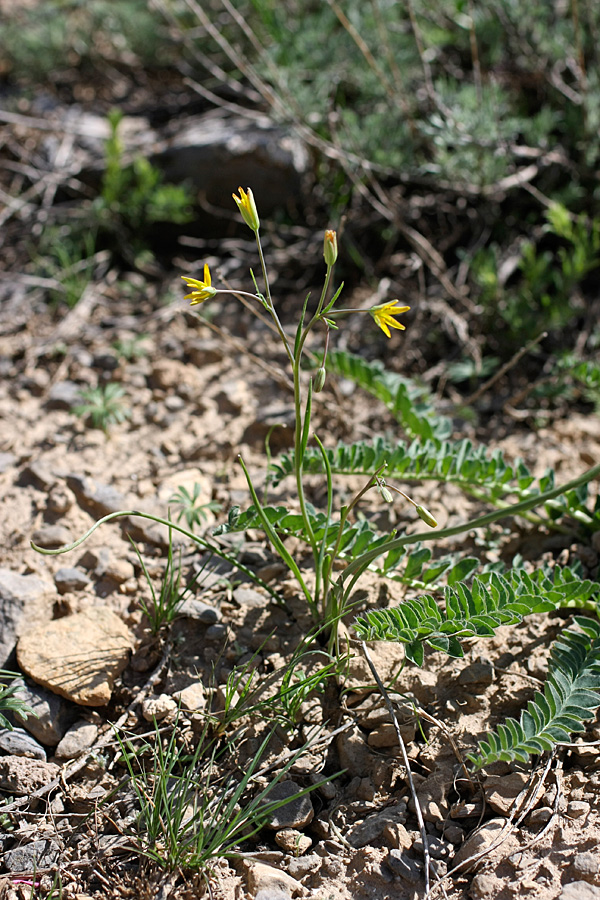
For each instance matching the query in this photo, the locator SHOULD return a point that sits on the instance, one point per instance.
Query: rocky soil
(88, 661)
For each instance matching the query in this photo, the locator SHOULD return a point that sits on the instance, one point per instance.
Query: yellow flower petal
(247, 207)
(202, 290)
(384, 316)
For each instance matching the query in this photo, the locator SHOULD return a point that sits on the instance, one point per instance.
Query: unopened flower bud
(386, 494)
(247, 207)
(319, 382)
(424, 514)
(330, 250)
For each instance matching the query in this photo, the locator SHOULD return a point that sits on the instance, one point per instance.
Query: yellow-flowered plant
(327, 597)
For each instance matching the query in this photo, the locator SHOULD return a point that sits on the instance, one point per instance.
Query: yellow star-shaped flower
(201, 290)
(384, 315)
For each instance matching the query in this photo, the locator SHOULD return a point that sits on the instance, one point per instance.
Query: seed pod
(424, 514)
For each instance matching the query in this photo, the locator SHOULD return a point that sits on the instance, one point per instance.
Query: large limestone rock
(78, 657)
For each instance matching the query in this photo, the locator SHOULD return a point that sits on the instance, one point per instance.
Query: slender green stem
(301, 425)
(323, 547)
(278, 543)
(222, 554)
(335, 550)
(358, 566)
(323, 292)
(271, 306)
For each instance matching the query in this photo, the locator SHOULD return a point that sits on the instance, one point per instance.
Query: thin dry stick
(503, 369)
(508, 827)
(413, 790)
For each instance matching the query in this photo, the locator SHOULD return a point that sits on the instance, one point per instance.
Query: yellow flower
(201, 290)
(247, 207)
(384, 315)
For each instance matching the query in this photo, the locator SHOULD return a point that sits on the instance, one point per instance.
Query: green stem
(271, 307)
(222, 554)
(300, 425)
(278, 543)
(343, 519)
(358, 566)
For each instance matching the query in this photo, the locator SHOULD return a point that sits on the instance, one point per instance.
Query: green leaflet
(409, 403)
(491, 601)
(475, 469)
(358, 538)
(571, 695)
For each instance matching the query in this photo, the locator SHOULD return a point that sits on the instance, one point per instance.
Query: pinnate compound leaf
(571, 696)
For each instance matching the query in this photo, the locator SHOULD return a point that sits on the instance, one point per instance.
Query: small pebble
(79, 738)
(18, 743)
(578, 808)
(71, 579)
(51, 537)
(158, 708)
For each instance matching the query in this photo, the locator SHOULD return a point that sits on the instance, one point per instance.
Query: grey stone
(50, 537)
(262, 877)
(371, 829)
(71, 579)
(579, 890)
(52, 714)
(64, 395)
(41, 474)
(18, 743)
(401, 864)
(23, 599)
(295, 813)
(215, 151)
(216, 633)
(478, 842)
(249, 597)
(585, 866)
(79, 738)
(578, 808)
(101, 498)
(202, 612)
(539, 816)
(7, 460)
(31, 857)
(299, 867)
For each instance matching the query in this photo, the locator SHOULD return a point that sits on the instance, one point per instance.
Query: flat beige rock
(78, 657)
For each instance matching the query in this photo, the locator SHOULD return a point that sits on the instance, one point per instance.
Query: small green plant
(133, 348)
(189, 508)
(10, 700)
(544, 296)
(165, 604)
(133, 197)
(190, 815)
(103, 406)
(66, 256)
